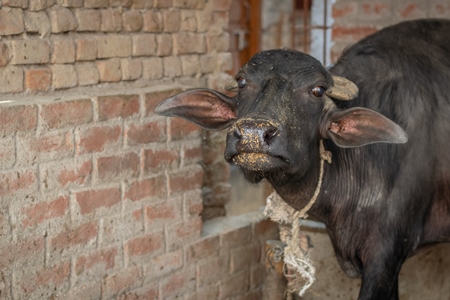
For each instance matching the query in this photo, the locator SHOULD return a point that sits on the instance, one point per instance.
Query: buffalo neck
(304, 191)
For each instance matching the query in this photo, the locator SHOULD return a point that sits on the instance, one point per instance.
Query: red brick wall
(354, 20)
(100, 198)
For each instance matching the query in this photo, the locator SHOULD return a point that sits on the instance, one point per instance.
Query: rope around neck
(296, 260)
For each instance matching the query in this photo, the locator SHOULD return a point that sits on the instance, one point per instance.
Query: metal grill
(304, 23)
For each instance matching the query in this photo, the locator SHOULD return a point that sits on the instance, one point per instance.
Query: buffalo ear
(359, 126)
(207, 108)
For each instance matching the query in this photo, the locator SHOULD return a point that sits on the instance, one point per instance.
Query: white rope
(297, 260)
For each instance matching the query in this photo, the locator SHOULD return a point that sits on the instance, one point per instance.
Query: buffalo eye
(318, 91)
(241, 82)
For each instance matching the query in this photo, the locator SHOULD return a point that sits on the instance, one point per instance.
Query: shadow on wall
(245, 197)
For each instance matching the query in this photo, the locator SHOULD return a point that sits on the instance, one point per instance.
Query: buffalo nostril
(237, 134)
(269, 134)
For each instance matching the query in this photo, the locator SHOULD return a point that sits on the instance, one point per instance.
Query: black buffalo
(387, 191)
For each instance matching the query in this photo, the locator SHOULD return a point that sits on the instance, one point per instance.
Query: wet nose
(255, 133)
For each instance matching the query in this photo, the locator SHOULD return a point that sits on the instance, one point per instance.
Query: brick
(88, 19)
(158, 160)
(192, 154)
(165, 45)
(163, 264)
(122, 282)
(50, 280)
(222, 5)
(152, 21)
(16, 181)
(12, 21)
(87, 73)
(172, 66)
(144, 44)
(147, 292)
(208, 63)
(141, 4)
(408, 11)
(7, 152)
(92, 200)
(189, 43)
(186, 180)
(63, 51)
(15, 3)
(38, 5)
(439, 10)
(111, 20)
(110, 46)
(71, 3)
(81, 235)
(62, 20)
(29, 52)
(190, 65)
(117, 228)
(67, 113)
(66, 174)
(236, 238)
(178, 284)
(117, 106)
(234, 285)
(38, 80)
(217, 195)
(162, 3)
(212, 270)
(148, 244)
(152, 99)
(184, 233)
(96, 3)
(96, 264)
(45, 147)
(204, 20)
(180, 128)
(193, 204)
(225, 62)
(171, 20)
(86, 49)
(85, 290)
(132, 20)
(192, 4)
(243, 257)
(219, 43)
(206, 247)
(152, 68)
(352, 33)
(41, 212)
(131, 68)
(143, 189)
(97, 139)
(206, 292)
(159, 213)
(4, 54)
(118, 167)
(188, 21)
(375, 11)
(121, 3)
(109, 70)
(63, 76)
(21, 254)
(17, 118)
(153, 131)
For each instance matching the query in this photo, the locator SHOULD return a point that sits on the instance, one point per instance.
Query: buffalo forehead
(296, 67)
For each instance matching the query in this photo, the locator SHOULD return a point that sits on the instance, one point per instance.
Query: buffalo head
(283, 106)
